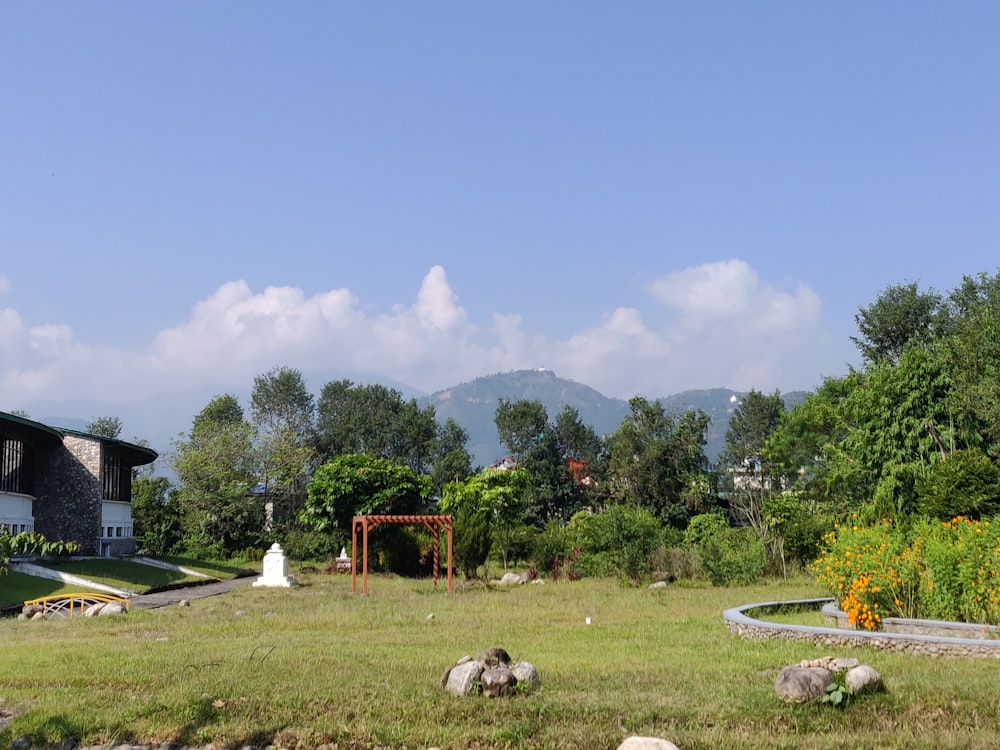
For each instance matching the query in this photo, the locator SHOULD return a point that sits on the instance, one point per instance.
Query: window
(116, 479)
(15, 468)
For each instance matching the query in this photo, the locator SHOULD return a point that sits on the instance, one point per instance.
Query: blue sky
(644, 197)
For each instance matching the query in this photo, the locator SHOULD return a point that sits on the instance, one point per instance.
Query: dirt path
(196, 591)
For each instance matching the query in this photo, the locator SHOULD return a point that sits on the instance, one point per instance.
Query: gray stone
(658, 585)
(795, 684)
(493, 657)
(497, 682)
(461, 679)
(20, 743)
(646, 743)
(863, 678)
(526, 674)
(38, 616)
(111, 609)
(510, 579)
(93, 609)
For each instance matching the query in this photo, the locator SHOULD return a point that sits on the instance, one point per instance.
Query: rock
(38, 616)
(658, 585)
(497, 682)
(646, 743)
(796, 684)
(93, 609)
(863, 678)
(493, 657)
(20, 743)
(183, 603)
(510, 579)
(526, 674)
(110, 609)
(461, 679)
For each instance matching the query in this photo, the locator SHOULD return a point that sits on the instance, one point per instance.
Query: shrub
(933, 570)
(553, 543)
(732, 556)
(302, 544)
(872, 570)
(622, 539)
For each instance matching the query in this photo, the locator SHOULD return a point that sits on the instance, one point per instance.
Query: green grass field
(317, 664)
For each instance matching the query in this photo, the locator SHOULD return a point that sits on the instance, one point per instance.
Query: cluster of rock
(809, 679)
(490, 673)
(97, 609)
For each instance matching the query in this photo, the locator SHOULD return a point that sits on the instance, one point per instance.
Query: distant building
(68, 485)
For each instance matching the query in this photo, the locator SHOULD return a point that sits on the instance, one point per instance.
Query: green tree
(499, 494)
(972, 355)
(106, 427)
(655, 460)
(215, 465)
(749, 478)
(521, 425)
(156, 515)
(900, 316)
(359, 484)
(282, 410)
(452, 461)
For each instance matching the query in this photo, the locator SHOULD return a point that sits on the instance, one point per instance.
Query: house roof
(21, 428)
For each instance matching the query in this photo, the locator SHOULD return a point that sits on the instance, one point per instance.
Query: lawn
(317, 664)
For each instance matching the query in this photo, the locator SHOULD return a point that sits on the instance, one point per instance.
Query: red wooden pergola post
(365, 523)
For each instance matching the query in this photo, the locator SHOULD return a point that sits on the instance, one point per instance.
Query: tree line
(914, 429)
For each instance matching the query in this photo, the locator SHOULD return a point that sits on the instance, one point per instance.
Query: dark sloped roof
(36, 432)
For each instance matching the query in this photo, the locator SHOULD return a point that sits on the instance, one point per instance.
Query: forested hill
(473, 406)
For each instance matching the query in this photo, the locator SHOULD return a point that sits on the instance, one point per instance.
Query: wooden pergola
(364, 524)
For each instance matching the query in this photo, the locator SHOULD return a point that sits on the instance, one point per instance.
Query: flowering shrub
(960, 582)
(945, 571)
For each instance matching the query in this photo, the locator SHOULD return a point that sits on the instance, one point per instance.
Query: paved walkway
(196, 591)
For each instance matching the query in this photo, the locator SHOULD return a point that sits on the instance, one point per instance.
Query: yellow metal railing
(66, 605)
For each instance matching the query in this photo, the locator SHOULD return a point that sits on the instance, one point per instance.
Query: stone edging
(745, 626)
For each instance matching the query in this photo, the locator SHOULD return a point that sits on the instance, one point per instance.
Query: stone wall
(67, 503)
(746, 626)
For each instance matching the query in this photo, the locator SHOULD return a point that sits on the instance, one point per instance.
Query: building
(68, 485)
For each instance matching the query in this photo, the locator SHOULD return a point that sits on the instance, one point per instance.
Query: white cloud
(730, 328)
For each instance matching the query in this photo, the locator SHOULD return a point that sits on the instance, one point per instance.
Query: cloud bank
(717, 324)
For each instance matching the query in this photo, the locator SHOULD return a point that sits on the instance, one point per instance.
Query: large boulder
(462, 678)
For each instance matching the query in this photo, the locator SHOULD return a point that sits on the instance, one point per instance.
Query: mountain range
(473, 406)
(160, 421)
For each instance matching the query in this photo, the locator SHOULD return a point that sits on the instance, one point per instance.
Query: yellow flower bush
(927, 570)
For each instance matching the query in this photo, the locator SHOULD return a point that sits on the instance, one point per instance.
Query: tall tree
(900, 316)
(216, 468)
(657, 461)
(452, 461)
(282, 410)
(521, 425)
(749, 478)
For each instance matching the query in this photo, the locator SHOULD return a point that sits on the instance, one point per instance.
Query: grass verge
(318, 664)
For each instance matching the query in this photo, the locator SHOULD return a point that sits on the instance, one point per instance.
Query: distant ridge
(473, 406)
